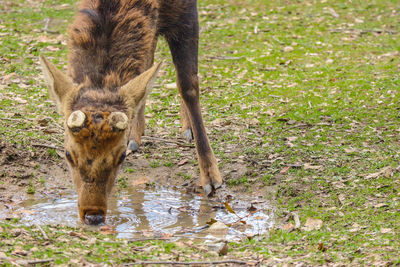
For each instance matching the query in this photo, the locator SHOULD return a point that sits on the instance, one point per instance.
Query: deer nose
(94, 219)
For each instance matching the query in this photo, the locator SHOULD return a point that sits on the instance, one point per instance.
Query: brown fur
(112, 41)
(112, 44)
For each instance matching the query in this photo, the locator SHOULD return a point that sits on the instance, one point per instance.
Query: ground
(301, 103)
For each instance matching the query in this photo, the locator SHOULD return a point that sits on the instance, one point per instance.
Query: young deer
(110, 73)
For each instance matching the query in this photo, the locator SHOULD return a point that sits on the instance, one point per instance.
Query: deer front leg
(209, 172)
(184, 54)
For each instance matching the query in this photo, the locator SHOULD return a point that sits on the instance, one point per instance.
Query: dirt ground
(40, 173)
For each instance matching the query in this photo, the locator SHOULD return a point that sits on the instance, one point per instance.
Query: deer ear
(137, 89)
(58, 83)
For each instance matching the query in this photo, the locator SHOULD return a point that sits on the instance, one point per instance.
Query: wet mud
(151, 202)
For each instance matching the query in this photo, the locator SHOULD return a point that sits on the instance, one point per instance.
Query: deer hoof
(217, 185)
(188, 135)
(132, 146)
(209, 189)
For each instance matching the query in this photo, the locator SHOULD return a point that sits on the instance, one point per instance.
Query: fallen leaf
(386, 230)
(285, 170)
(354, 228)
(140, 181)
(350, 150)
(182, 162)
(288, 49)
(270, 112)
(386, 172)
(229, 208)
(321, 247)
(250, 236)
(290, 144)
(167, 235)
(357, 20)
(29, 212)
(218, 228)
(296, 220)
(221, 248)
(254, 122)
(216, 122)
(333, 12)
(381, 205)
(171, 86)
(20, 100)
(312, 224)
(20, 252)
(42, 120)
(292, 138)
(107, 230)
(288, 227)
(211, 222)
(252, 208)
(308, 166)
(148, 233)
(80, 235)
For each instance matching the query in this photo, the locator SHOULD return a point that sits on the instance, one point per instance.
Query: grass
(303, 93)
(31, 188)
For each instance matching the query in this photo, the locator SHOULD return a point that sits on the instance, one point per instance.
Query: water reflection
(137, 212)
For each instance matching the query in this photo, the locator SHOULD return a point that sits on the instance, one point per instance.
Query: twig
(146, 239)
(56, 140)
(39, 261)
(224, 57)
(45, 145)
(364, 31)
(188, 262)
(43, 232)
(17, 119)
(166, 239)
(167, 141)
(197, 237)
(57, 124)
(300, 125)
(195, 247)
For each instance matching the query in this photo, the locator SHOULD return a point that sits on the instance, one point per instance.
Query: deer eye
(121, 158)
(69, 157)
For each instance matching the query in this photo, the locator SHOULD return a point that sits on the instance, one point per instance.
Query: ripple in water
(135, 212)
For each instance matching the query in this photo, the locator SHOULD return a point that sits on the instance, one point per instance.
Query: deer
(102, 95)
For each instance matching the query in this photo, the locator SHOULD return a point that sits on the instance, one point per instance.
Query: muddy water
(160, 212)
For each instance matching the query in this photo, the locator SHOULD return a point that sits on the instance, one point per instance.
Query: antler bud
(76, 119)
(118, 120)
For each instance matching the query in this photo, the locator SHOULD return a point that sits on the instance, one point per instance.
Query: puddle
(155, 213)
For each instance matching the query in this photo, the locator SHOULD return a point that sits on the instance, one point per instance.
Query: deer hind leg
(138, 121)
(137, 129)
(186, 129)
(184, 48)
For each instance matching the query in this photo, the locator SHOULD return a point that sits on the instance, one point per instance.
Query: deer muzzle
(93, 215)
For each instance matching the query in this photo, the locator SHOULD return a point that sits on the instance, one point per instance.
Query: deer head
(97, 126)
